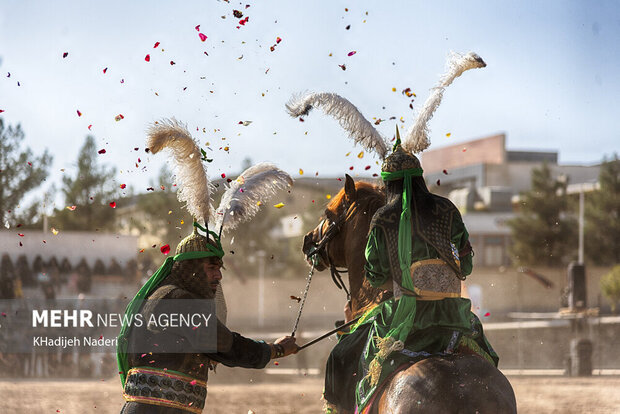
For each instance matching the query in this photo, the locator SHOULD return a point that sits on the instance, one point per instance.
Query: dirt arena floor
(299, 396)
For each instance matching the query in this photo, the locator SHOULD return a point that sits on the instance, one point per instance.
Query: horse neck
(362, 294)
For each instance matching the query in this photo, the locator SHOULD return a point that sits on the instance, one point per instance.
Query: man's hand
(284, 346)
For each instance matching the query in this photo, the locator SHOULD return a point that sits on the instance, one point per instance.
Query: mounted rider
(168, 379)
(418, 248)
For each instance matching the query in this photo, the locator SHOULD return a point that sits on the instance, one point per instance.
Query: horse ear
(349, 188)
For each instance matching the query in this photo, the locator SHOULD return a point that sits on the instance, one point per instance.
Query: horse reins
(319, 247)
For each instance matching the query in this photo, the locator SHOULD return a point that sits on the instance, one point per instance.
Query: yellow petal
(169, 212)
(360, 155)
(448, 134)
(328, 196)
(301, 172)
(259, 203)
(182, 222)
(393, 89)
(279, 205)
(347, 154)
(54, 231)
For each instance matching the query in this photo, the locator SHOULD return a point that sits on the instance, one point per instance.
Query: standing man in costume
(164, 381)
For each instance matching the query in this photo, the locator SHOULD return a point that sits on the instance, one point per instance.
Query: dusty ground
(534, 395)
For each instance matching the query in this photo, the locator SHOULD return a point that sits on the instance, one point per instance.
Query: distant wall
(72, 245)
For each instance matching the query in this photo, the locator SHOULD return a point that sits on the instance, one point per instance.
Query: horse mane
(369, 197)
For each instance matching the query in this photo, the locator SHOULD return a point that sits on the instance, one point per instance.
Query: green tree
(542, 233)
(20, 171)
(602, 215)
(610, 286)
(91, 191)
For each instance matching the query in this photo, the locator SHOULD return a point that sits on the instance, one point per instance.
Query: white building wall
(72, 245)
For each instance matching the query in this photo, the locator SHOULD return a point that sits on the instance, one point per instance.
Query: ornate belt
(165, 388)
(434, 279)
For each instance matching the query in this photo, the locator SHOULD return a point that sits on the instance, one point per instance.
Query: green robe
(439, 327)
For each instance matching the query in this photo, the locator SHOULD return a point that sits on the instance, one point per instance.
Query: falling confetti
(301, 172)
(328, 196)
(155, 45)
(90, 126)
(54, 231)
(79, 113)
(487, 314)
(343, 67)
(279, 205)
(101, 151)
(367, 167)
(113, 204)
(165, 249)
(20, 234)
(464, 149)
(119, 117)
(351, 53)
(223, 175)
(297, 298)
(393, 89)
(360, 155)
(105, 70)
(445, 172)
(147, 58)
(123, 186)
(64, 55)
(197, 28)
(202, 37)
(438, 183)
(278, 40)
(448, 134)
(72, 208)
(237, 14)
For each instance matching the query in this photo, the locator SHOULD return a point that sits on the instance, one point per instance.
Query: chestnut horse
(455, 384)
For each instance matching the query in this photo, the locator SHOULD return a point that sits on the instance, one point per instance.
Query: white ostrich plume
(417, 140)
(191, 174)
(349, 117)
(244, 196)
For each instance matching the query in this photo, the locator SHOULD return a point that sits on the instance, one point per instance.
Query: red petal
(351, 53)
(351, 168)
(90, 126)
(101, 151)
(445, 172)
(197, 28)
(147, 58)
(165, 249)
(79, 113)
(487, 314)
(20, 234)
(113, 204)
(438, 182)
(155, 45)
(123, 186)
(367, 167)
(105, 70)
(64, 55)
(223, 175)
(278, 40)
(202, 37)
(1, 110)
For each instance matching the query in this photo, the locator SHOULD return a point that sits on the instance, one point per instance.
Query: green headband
(397, 175)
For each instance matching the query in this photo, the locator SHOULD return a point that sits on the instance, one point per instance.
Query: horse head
(339, 240)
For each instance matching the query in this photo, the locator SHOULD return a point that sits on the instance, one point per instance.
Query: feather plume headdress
(417, 139)
(362, 131)
(192, 181)
(349, 117)
(244, 196)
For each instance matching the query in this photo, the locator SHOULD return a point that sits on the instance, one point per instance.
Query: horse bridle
(321, 247)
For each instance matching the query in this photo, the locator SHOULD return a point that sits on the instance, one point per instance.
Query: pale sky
(552, 80)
